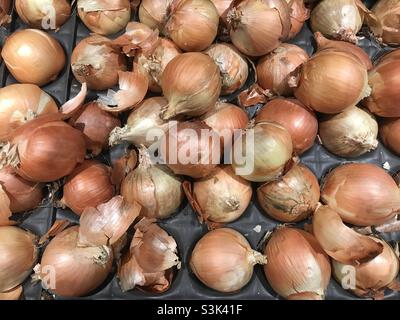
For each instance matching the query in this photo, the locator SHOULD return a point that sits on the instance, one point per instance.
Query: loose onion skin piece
(388, 132)
(297, 267)
(387, 12)
(362, 194)
(298, 16)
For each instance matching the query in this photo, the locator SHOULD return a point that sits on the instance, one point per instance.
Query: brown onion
(95, 62)
(252, 37)
(362, 194)
(262, 152)
(18, 253)
(5, 6)
(33, 56)
(292, 198)
(332, 81)
(96, 125)
(298, 16)
(104, 17)
(47, 14)
(221, 197)
(350, 133)
(232, 65)
(297, 267)
(387, 13)
(388, 132)
(275, 69)
(153, 13)
(224, 261)
(300, 121)
(191, 83)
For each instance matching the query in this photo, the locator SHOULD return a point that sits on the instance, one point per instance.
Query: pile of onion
(299, 14)
(388, 28)
(388, 132)
(224, 261)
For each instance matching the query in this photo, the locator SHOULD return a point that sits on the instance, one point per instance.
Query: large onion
(387, 13)
(388, 132)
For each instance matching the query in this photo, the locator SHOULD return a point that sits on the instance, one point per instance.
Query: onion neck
(234, 18)
(255, 257)
(118, 135)
(144, 158)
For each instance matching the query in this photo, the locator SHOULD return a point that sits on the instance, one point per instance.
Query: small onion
(387, 13)
(371, 278)
(388, 132)
(292, 198)
(20, 103)
(275, 69)
(33, 56)
(252, 37)
(47, 14)
(298, 16)
(18, 253)
(350, 133)
(76, 270)
(95, 62)
(153, 13)
(232, 65)
(262, 152)
(89, 185)
(297, 268)
(104, 17)
(300, 121)
(191, 83)
(332, 81)
(154, 187)
(362, 194)
(224, 261)
(96, 125)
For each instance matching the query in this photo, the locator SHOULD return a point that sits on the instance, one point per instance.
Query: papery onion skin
(265, 158)
(77, 270)
(293, 197)
(89, 185)
(40, 14)
(233, 66)
(350, 133)
(252, 37)
(298, 16)
(362, 194)
(153, 13)
(332, 81)
(223, 260)
(33, 56)
(274, 69)
(300, 121)
(191, 83)
(388, 132)
(387, 13)
(20, 103)
(18, 253)
(296, 264)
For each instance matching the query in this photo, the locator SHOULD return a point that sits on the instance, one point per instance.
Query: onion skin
(33, 56)
(223, 260)
(298, 120)
(5, 6)
(388, 130)
(362, 194)
(292, 198)
(89, 185)
(275, 69)
(297, 268)
(387, 13)
(19, 254)
(153, 13)
(298, 16)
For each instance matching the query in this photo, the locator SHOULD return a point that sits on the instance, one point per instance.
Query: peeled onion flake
(254, 95)
(341, 242)
(74, 104)
(107, 223)
(13, 294)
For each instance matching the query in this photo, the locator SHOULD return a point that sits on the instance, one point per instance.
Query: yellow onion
(292, 198)
(104, 17)
(153, 13)
(298, 16)
(47, 14)
(262, 152)
(252, 37)
(297, 267)
(95, 62)
(350, 133)
(23, 195)
(221, 197)
(154, 187)
(387, 14)
(300, 121)
(192, 24)
(362, 194)
(332, 81)
(33, 56)
(13, 294)
(191, 83)
(77, 270)
(18, 253)
(142, 121)
(224, 261)
(20, 103)
(96, 125)
(5, 6)
(369, 280)
(388, 132)
(89, 185)
(232, 65)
